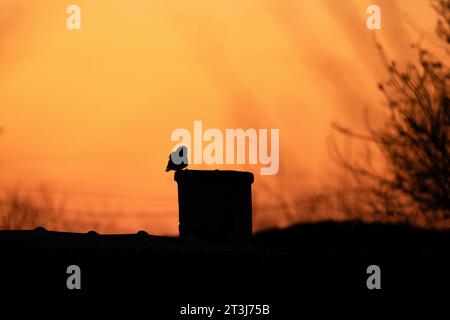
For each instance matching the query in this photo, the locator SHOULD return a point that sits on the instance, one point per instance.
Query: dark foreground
(320, 268)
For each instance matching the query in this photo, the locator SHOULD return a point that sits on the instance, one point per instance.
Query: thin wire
(105, 214)
(88, 194)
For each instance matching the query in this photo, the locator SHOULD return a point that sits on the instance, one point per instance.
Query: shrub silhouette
(414, 141)
(19, 211)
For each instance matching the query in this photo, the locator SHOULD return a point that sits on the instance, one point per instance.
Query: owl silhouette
(178, 159)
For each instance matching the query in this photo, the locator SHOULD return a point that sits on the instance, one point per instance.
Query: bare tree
(23, 211)
(414, 141)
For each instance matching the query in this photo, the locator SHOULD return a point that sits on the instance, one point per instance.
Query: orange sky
(89, 113)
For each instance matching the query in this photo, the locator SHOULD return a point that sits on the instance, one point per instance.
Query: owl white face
(220, 147)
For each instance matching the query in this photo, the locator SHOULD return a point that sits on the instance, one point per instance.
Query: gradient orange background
(89, 113)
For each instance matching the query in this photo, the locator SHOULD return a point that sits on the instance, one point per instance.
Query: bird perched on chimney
(178, 159)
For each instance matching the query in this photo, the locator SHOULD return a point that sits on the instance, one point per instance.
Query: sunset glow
(89, 113)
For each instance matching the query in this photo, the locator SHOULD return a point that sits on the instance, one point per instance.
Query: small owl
(178, 159)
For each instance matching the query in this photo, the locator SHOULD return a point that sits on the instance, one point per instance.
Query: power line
(87, 194)
(98, 214)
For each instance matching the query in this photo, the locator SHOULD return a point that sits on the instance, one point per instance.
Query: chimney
(214, 204)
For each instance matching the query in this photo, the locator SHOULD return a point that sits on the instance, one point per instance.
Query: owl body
(177, 159)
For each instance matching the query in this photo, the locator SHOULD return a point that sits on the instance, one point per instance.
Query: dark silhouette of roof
(327, 261)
